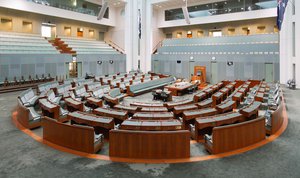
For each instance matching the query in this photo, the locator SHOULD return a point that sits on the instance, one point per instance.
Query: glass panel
(80, 6)
(223, 7)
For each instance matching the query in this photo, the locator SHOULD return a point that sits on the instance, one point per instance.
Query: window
(246, 30)
(189, 34)
(200, 34)
(179, 35)
(91, 33)
(27, 27)
(79, 32)
(216, 33)
(46, 31)
(231, 31)
(67, 31)
(6, 24)
(261, 29)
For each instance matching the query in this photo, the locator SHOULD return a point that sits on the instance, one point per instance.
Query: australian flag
(281, 5)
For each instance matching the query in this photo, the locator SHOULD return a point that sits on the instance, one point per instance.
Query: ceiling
(169, 4)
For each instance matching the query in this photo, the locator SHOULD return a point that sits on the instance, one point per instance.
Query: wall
(269, 23)
(32, 64)
(245, 66)
(117, 34)
(287, 58)
(19, 16)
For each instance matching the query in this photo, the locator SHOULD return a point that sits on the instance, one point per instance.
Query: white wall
(116, 34)
(286, 44)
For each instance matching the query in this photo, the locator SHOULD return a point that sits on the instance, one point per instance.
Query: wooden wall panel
(149, 145)
(236, 136)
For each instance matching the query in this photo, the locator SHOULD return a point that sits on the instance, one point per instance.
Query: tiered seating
(44, 88)
(88, 46)
(63, 90)
(19, 43)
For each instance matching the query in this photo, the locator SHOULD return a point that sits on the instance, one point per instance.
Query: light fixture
(74, 59)
(230, 63)
(99, 62)
(111, 61)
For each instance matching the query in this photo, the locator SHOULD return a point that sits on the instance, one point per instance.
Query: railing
(115, 46)
(158, 45)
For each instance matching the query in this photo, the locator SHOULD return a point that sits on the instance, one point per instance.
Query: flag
(281, 5)
(140, 24)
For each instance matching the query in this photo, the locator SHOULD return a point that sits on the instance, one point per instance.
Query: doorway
(191, 69)
(294, 72)
(214, 73)
(101, 36)
(269, 68)
(156, 66)
(73, 69)
(48, 30)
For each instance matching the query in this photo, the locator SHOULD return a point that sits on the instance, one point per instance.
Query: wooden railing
(115, 46)
(158, 45)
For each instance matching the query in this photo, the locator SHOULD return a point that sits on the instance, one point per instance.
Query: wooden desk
(217, 98)
(101, 124)
(226, 106)
(190, 116)
(118, 115)
(200, 97)
(243, 90)
(178, 89)
(151, 125)
(49, 109)
(238, 98)
(204, 125)
(178, 110)
(259, 97)
(171, 105)
(231, 88)
(153, 116)
(130, 109)
(208, 92)
(205, 104)
(140, 104)
(226, 92)
(251, 111)
(154, 109)
(74, 105)
(94, 103)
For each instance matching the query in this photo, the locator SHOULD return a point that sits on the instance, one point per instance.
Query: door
(101, 36)
(156, 66)
(191, 69)
(67, 70)
(79, 69)
(214, 73)
(269, 72)
(294, 72)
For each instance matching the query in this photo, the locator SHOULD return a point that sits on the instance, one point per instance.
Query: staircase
(61, 46)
